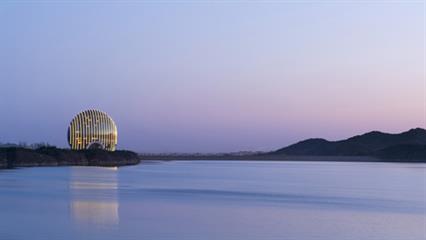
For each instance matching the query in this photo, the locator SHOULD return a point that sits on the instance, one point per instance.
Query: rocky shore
(51, 156)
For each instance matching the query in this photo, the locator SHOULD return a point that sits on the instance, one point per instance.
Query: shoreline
(51, 156)
(276, 158)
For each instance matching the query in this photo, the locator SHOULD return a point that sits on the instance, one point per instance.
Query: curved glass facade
(92, 129)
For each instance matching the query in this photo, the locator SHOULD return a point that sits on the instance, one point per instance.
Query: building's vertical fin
(88, 134)
(95, 125)
(88, 128)
(75, 123)
(72, 131)
(74, 140)
(104, 132)
(115, 135)
(90, 124)
(84, 129)
(99, 126)
(71, 140)
(110, 132)
(78, 126)
(80, 131)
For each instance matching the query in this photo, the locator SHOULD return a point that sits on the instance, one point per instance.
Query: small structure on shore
(92, 129)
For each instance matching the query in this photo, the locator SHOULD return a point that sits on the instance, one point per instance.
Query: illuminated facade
(92, 129)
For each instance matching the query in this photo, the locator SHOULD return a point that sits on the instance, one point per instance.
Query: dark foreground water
(216, 200)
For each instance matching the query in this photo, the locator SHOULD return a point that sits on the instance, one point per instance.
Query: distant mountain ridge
(409, 144)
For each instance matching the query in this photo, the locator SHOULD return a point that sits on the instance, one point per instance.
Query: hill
(410, 144)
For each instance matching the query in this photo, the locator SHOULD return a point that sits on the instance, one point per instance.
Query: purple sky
(212, 77)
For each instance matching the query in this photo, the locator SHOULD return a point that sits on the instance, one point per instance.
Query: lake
(216, 200)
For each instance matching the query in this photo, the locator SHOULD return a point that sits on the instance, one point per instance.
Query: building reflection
(94, 196)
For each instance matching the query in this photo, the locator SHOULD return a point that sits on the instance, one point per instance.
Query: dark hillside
(369, 144)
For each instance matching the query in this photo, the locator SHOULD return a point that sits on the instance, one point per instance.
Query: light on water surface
(94, 196)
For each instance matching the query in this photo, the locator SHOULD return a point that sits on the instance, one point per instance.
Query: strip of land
(51, 156)
(272, 157)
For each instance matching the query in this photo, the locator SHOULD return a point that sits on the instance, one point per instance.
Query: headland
(15, 157)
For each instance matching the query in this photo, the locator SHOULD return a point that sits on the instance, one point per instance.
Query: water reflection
(94, 196)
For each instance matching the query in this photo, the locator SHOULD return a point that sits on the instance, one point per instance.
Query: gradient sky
(212, 76)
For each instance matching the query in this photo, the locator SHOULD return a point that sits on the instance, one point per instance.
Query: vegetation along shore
(13, 157)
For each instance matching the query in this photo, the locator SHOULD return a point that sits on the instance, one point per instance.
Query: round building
(92, 129)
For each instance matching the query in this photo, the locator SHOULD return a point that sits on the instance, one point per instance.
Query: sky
(212, 76)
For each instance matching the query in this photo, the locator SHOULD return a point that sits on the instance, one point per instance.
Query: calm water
(216, 200)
